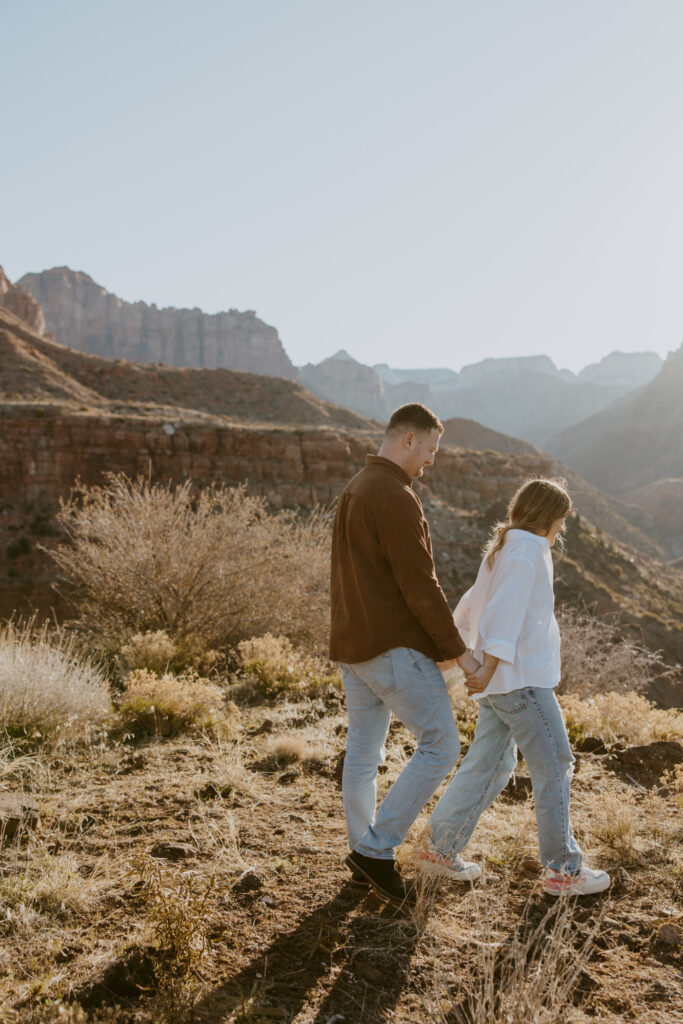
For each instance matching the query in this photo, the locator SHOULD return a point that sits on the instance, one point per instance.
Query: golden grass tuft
(278, 667)
(152, 650)
(169, 705)
(620, 716)
(48, 691)
(287, 749)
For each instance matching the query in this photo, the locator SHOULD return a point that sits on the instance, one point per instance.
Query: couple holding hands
(392, 633)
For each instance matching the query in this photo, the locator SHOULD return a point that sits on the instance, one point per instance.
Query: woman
(508, 618)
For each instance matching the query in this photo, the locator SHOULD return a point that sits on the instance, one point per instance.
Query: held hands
(476, 682)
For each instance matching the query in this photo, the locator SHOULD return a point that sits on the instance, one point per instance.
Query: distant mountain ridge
(84, 315)
(526, 397)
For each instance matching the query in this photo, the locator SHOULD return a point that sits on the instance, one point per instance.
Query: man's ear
(409, 438)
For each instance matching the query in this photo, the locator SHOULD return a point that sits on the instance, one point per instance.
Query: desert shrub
(277, 666)
(47, 689)
(179, 912)
(620, 716)
(614, 822)
(169, 705)
(152, 650)
(291, 749)
(597, 657)
(208, 569)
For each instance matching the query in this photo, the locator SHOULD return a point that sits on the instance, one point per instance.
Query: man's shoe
(584, 883)
(431, 862)
(359, 883)
(381, 874)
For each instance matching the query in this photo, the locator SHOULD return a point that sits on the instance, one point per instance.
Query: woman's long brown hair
(534, 507)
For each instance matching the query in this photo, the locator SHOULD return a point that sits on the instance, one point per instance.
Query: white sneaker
(431, 862)
(588, 881)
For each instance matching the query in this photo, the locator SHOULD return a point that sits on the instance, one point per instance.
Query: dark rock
(670, 934)
(287, 778)
(518, 788)
(645, 764)
(265, 727)
(621, 881)
(17, 811)
(173, 851)
(212, 790)
(369, 972)
(248, 881)
(591, 745)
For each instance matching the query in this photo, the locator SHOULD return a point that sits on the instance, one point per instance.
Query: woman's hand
(476, 682)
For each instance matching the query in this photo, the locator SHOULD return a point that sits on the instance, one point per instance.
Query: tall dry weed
(48, 691)
(598, 658)
(208, 569)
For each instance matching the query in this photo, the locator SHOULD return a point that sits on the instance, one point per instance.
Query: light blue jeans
(409, 685)
(530, 719)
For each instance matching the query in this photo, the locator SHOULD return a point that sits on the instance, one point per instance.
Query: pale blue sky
(421, 183)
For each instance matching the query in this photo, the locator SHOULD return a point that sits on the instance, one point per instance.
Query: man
(390, 625)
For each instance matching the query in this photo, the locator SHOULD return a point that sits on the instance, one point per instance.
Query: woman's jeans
(530, 719)
(408, 684)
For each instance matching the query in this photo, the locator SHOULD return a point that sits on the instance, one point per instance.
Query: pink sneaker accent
(431, 862)
(586, 882)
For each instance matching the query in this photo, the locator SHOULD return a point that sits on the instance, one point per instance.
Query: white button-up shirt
(509, 612)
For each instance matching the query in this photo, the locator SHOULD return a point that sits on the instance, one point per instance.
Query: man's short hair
(414, 416)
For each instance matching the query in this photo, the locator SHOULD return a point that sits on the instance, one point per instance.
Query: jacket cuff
(453, 650)
(502, 649)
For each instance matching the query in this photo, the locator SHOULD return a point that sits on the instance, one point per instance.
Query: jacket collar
(541, 541)
(379, 460)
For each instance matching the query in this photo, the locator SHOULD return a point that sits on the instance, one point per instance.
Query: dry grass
(48, 691)
(154, 651)
(168, 705)
(615, 825)
(288, 749)
(620, 716)
(598, 658)
(278, 667)
(207, 568)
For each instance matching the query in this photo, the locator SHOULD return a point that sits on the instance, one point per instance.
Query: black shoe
(382, 876)
(359, 883)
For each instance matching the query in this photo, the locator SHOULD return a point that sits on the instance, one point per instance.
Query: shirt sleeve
(503, 616)
(462, 617)
(404, 539)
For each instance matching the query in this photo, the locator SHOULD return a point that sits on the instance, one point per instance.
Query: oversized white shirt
(509, 612)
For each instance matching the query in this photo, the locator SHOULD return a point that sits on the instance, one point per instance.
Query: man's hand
(468, 663)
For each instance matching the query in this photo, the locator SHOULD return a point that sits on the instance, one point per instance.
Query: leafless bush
(208, 569)
(47, 689)
(597, 657)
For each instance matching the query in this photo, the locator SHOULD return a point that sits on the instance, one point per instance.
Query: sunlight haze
(419, 184)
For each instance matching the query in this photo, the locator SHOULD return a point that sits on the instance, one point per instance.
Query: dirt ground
(188, 880)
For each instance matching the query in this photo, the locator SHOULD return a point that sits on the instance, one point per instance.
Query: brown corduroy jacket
(384, 588)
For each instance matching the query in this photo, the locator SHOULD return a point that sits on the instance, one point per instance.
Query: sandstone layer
(85, 316)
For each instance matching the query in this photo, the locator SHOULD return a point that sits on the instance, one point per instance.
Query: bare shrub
(597, 657)
(278, 667)
(620, 716)
(47, 690)
(149, 650)
(179, 912)
(208, 569)
(170, 705)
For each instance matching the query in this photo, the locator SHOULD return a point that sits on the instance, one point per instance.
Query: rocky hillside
(634, 450)
(84, 315)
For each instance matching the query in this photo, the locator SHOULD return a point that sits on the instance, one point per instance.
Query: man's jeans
(530, 719)
(410, 685)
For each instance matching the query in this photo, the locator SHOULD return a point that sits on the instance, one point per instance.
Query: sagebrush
(207, 568)
(169, 705)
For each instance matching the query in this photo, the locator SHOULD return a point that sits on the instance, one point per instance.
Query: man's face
(422, 451)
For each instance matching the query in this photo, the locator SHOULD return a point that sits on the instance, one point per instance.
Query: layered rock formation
(634, 449)
(23, 305)
(87, 317)
(526, 397)
(344, 381)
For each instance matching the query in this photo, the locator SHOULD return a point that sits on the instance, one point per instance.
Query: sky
(420, 183)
